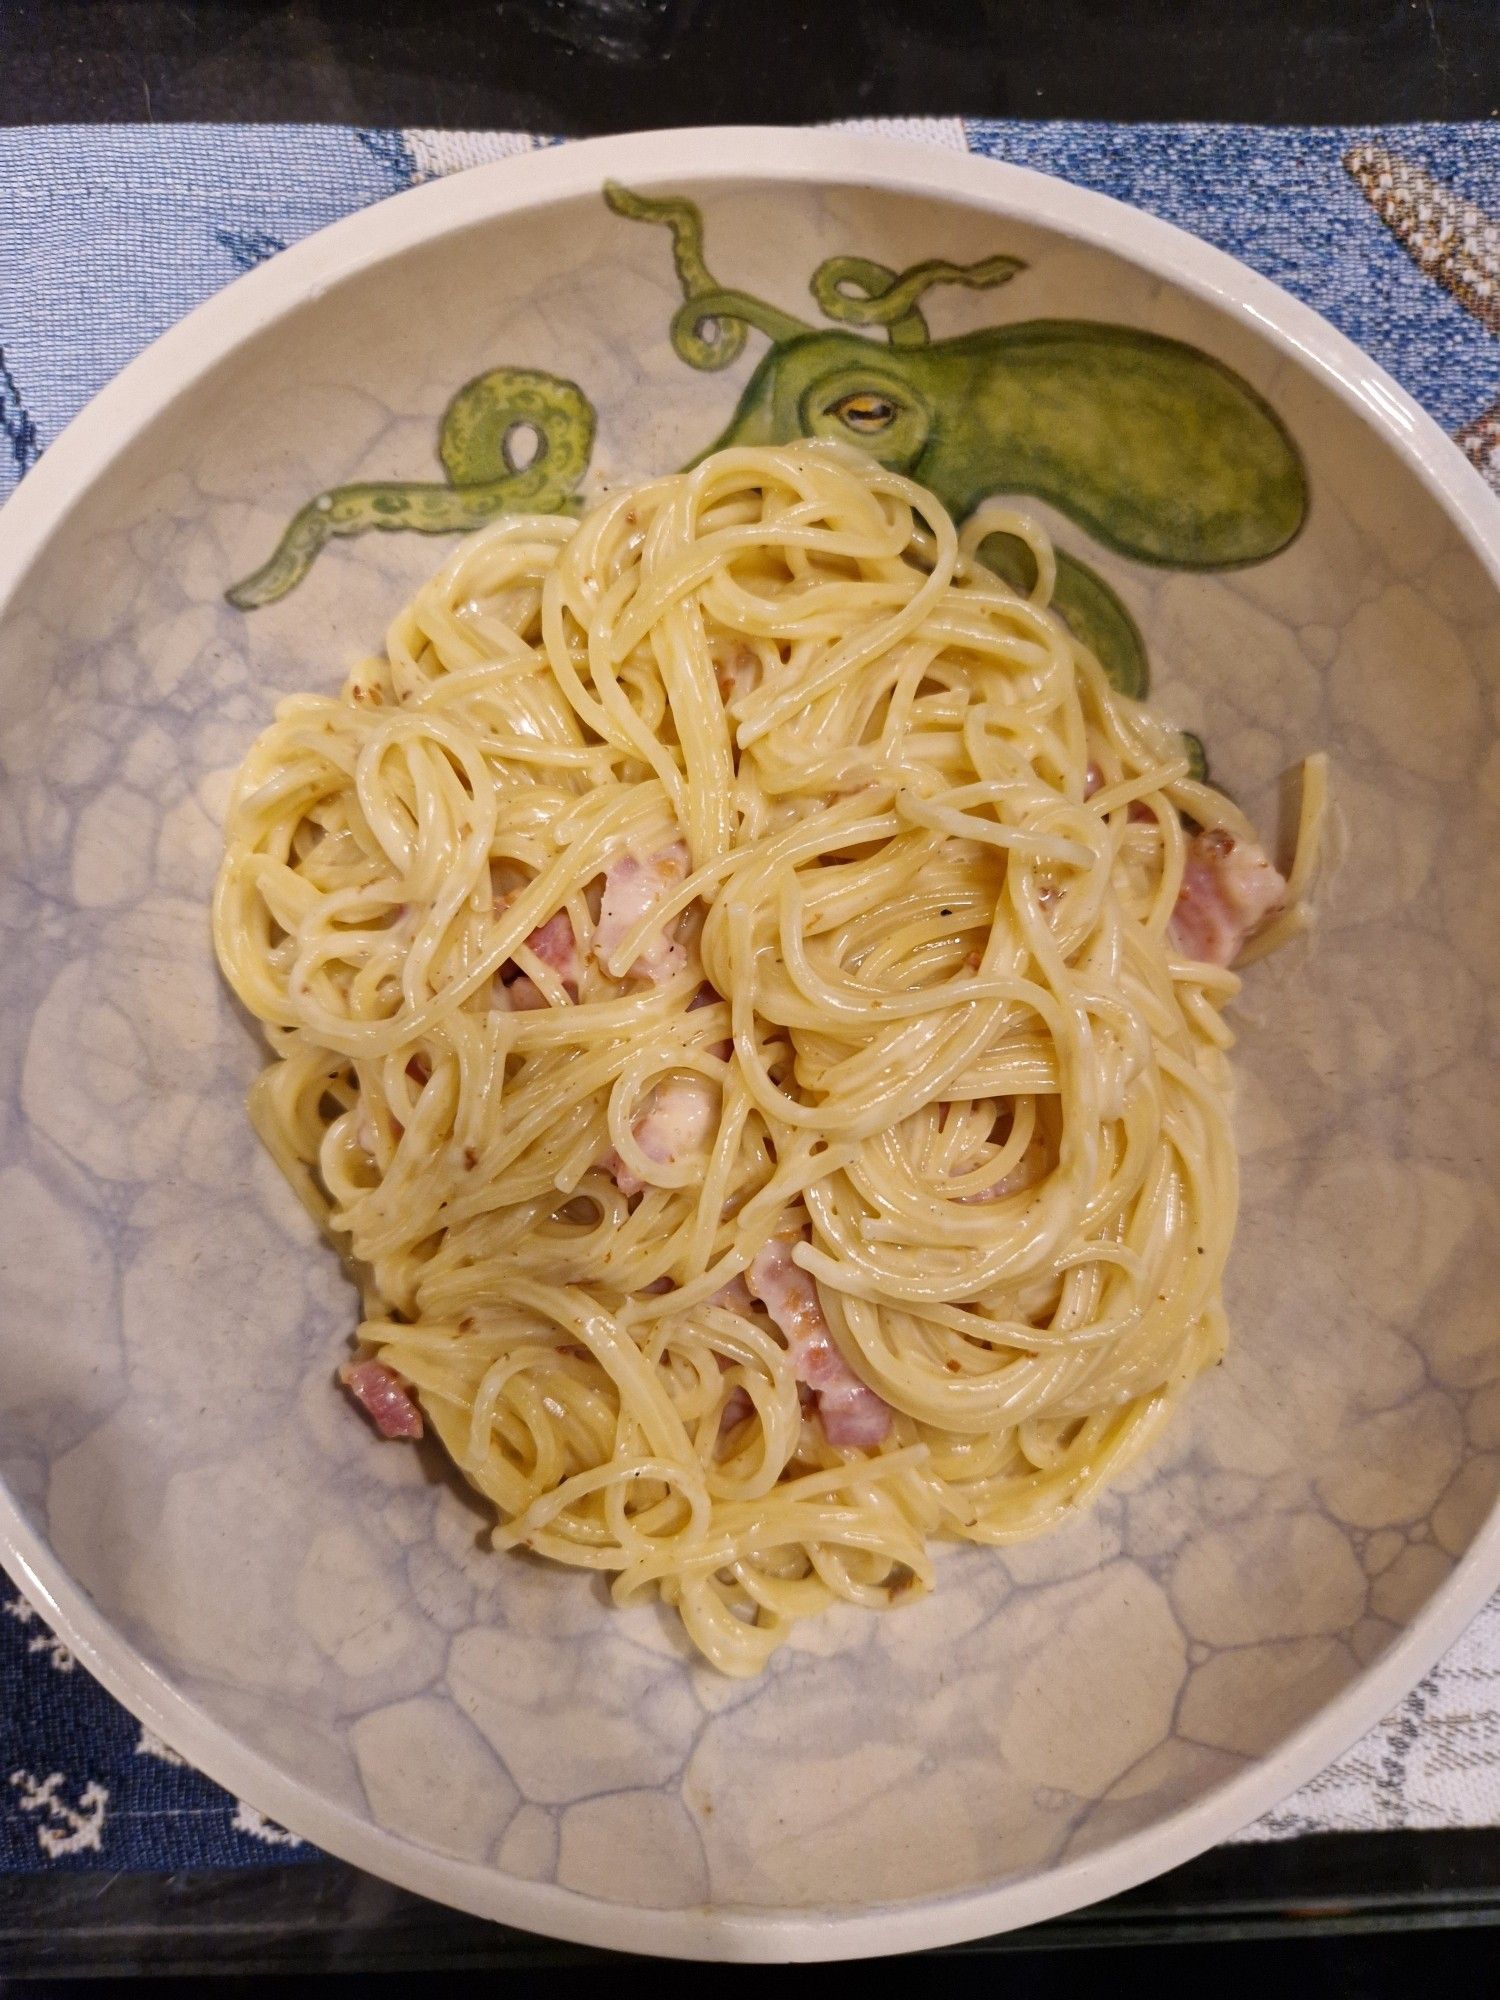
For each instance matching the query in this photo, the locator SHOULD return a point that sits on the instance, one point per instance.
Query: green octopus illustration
(480, 443)
(1156, 450)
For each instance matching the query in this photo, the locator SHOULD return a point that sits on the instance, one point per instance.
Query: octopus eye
(866, 411)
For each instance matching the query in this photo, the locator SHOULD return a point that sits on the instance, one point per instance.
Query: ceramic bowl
(308, 1614)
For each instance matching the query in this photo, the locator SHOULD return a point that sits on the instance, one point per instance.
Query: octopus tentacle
(856, 292)
(479, 445)
(711, 326)
(845, 287)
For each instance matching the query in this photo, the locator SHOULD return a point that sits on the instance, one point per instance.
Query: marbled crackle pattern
(167, 1412)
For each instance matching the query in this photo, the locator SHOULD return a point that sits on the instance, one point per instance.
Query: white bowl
(303, 1612)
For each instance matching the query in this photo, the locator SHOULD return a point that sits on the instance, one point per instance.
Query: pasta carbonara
(746, 996)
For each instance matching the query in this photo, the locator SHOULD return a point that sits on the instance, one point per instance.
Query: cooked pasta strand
(720, 972)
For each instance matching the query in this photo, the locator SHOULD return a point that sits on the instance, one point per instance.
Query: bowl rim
(141, 393)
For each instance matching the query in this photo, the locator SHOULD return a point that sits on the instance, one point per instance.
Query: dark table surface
(582, 66)
(575, 66)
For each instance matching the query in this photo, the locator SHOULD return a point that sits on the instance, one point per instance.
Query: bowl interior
(167, 1419)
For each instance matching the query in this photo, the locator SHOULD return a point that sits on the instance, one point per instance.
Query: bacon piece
(555, 945)
(627, 1182)
(678, 1120)
(632, 889)
(851, 1413)
(1229, 890)
(383, 1397)
(1093, 778)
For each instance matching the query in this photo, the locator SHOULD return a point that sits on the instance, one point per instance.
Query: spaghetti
(743, 996)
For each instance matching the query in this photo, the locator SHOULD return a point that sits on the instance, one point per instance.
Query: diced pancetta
(633, 888)
(851, 1413)
(677, 1122)
(556, 946)
(627, 1182)
(1229, 889)
(383, 1397)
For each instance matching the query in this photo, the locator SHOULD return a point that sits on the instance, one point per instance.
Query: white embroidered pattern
(44, 1641)
(152, 1746)
(248, 1820)
(66, 1829)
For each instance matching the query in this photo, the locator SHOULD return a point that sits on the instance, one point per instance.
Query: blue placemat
(109, 234)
